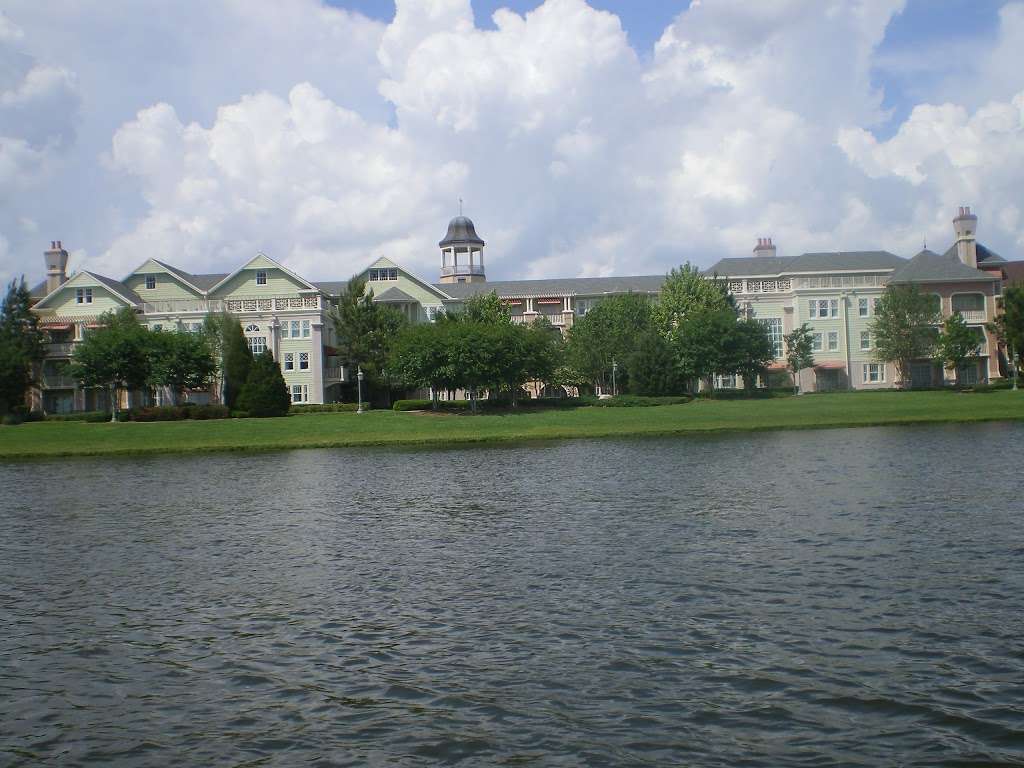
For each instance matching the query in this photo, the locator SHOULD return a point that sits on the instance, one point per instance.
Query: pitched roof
(830, 261)
(206, 282)
(394, 296)
(985, 255)
(38, 291)
(118, 287)
(582, 286)
(331, 287)
(930, 267)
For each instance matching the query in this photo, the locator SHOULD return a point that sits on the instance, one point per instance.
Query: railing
(183, 305)
(463, 269)
(272, 304)
(558, 320)
(58, 381)
(841, 281)
(61, 349)
(336, 373)
(971, 315)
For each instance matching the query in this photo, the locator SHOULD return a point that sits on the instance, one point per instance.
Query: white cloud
(326, 139)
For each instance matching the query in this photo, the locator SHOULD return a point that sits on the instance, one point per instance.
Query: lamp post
(359, 389)
(615, 369)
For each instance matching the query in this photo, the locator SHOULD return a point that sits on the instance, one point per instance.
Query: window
(303, 361)
(150, 282)
(261, 277)
(305, 329)
(289, 361)
(874, 373)
(876, 303)
(390, 273)
(253, 328)
(295, 329)
(969, 302)
(823, 307)
(725, 382)
(862, 307)
(257, 344)
(774, 327)
(158, 327)
(300, 393)
(83, 296)
(833, 341)
(816, 342)
(865, 339)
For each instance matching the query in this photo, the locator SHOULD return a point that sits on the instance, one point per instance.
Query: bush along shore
(386, 427)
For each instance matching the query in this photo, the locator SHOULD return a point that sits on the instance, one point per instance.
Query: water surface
(839, 597)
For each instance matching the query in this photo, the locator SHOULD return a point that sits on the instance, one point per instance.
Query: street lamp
(615, 368)
(359, 389)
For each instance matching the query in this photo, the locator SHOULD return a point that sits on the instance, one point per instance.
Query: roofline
(412, 275)
(170, 268)
(95, 276)
(280, 266)
(979, 279)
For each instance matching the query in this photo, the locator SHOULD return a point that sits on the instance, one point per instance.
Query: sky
(586, 138)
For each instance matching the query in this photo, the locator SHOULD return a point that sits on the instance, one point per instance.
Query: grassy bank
(390, 428)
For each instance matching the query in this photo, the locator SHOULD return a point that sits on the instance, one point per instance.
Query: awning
(56, 326)
(832, 365)
(777, 368)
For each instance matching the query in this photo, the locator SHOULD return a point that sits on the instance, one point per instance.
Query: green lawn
(387, 427)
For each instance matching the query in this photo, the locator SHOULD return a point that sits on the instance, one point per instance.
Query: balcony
(462, 269)
(972, 315)
(335, 373)
(62, 349)
(57, 381)
(174, 306)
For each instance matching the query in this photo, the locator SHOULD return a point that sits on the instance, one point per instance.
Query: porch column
(316, 363)
(275, 338)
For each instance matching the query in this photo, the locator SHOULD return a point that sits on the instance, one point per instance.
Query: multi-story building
(835, 293)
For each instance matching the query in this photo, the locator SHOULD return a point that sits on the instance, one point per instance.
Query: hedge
(179, 413)
(621, 401)
(637, 401)
(327, 408)
(94, 417)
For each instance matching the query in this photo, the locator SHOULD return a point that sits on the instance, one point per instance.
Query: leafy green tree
(22, 345)
(687, 290)
(704, 343)
(485, 308)
(652, 368)
(265, 392)
(958, 342)
(609, 333)
(799, 352)
(116, 356)
(179, 361)
(235, 356)
(1009, 326)
(903, 327)
(420, 357)
(750, 349)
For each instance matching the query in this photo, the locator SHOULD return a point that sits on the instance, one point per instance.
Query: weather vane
(460, 206)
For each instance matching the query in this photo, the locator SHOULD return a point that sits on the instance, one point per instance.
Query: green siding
(168, 285)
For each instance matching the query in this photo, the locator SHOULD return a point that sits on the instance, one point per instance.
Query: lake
(807, 598)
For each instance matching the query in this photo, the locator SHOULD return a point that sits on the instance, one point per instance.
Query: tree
(903, 327)
(750, 350)
(799, 352)
(265, 392)
(957, 343)
(652, 368)
(609, 333)
(484, 308)
(420, 357)
(180, 360)
(1009, 326)
(116, 355)
(236, 359)
(703, 342)
(686, 289)
(22, 345)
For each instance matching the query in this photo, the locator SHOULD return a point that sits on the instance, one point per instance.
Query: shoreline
(382, 429)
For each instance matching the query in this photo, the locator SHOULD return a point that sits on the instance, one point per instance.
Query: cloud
(327, 139)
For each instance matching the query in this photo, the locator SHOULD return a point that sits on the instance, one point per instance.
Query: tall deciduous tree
(21, 345)
(1009, 326)
(750, 348)
(180, 360)
(958, 343)
(904, 327)
(230, 351)
(652, 368)
(609, 333)
(485, 308)
(799, 352)
(116, 356)
(703, 342)
(687, 290)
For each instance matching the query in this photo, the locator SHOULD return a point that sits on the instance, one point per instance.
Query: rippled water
(840, 597)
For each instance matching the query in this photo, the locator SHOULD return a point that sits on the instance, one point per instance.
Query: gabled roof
(930, 267)
(394, 296)
(38, 291)
(206, 282)
(181, 274)
(248, 264)
(829, 261)
(119, 289)
(580, 286)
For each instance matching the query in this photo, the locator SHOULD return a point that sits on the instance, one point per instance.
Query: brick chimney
(764, 247)
(965, 225)
(56, 266)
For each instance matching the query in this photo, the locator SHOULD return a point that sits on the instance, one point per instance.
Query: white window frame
(257, 344)
(261, 277)
(865, 340)
(874, 373)
(306, 329)
(150, 282)
(863, 308)
(83, 295)
(300, 393)
(303, 361)
(823, 308)
(773, 325)
(833, 341)
(294, 325)
(288, 364)
(817, 342)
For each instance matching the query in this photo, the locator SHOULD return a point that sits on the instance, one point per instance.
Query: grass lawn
(387, 427)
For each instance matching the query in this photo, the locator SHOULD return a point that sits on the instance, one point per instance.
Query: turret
(56, 266)
(965, 225)
(462, 253)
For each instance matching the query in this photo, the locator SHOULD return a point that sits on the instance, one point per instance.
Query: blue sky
(203, 133)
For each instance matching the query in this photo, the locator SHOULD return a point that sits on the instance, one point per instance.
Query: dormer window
(150, 282)
(83, 296)
(261, 277)
(390, 273)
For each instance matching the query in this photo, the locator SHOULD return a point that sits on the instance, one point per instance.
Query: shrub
(179, 412)
(327, 408)
(12, 419)
(637, 401)
(265, 393)
(239, 414)
(442, 405)
(411, 405)
(90, 416)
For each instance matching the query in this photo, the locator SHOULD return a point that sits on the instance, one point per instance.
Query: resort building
(835, 293)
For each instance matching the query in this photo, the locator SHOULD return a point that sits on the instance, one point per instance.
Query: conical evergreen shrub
(264, 393)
